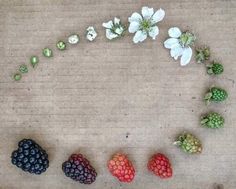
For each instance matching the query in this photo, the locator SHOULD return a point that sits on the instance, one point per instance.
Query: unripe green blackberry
(189, 143)
(213, 120)
(202, 54)
(216, 94)
(215, 68)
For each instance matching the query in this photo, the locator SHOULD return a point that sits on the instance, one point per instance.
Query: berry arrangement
(32, 158)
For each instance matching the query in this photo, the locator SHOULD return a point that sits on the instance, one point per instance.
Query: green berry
(216, 94)
(47, 52)
(189, 143)
(215, 68)
(17, 76)
(213, 120)
(23, 68)
(61, 45)
(34, 60)
(202, 54)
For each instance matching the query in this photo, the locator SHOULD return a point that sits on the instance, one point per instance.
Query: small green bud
(202, 54)
(17, 76)
(47, 52)
(23, 68)
(61, 45)
(34, 60)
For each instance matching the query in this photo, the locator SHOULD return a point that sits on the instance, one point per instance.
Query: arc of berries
(32, 158)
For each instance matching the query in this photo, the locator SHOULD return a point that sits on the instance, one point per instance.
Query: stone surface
(99, 98)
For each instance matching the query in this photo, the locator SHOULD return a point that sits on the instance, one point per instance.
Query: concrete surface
(103, 97)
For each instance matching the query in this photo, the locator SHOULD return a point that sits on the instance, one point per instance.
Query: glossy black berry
(30, 157)
(79, 169)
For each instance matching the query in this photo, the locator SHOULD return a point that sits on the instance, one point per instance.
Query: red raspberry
(160, 165)
(121, 168)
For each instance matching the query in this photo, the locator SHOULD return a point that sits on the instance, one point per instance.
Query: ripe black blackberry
(30, 157)
(79, 169)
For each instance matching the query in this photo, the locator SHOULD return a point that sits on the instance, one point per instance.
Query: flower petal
(108, 24)
(186, 57)
(154, 31)
(139, 36)
(174, 32)
(135, 17)
(110, 35)
(116, 20)
(147, 12)
(133, 27)
(158, 16)
(171, 43)
(176, 52)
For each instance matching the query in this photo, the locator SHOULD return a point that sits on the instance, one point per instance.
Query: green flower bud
(61, 45)
(17, 77)
(34, 60)
(23, 68)
(47, 52)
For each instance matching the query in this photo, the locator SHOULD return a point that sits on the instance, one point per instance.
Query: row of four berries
(32, 158)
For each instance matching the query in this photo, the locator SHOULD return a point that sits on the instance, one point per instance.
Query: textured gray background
(90, 97)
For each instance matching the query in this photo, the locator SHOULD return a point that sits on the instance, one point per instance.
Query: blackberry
(215, 68)
(30, 157)
(79, 169)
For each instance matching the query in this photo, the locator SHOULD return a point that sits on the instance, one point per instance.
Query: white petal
(135, 17)
(158, 16)
(174, 32)
(186, 57)
(139, 36)
(110, 35)
(176, 52)
(133, 27)
(108, 24)
(171, 43)
(116, 20)
(154, 31)
(147, 12)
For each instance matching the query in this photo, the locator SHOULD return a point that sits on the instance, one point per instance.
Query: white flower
(114, 29)
(179, 44)
(145, 24)
(91, 33)
(73, 39)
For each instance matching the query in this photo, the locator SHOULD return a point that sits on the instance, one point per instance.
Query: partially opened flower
(146, 24)
(180, 44)
(114, 29)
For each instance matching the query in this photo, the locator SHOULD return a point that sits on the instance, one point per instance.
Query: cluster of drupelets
(120, 166)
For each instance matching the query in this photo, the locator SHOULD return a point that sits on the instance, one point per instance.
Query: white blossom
(180, 44)
(114, 29)
(145, 24)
